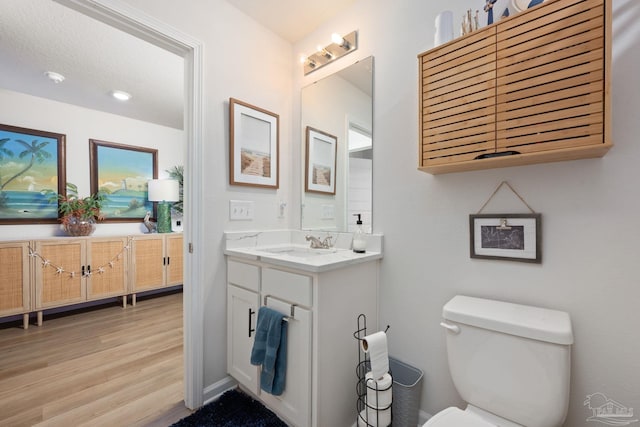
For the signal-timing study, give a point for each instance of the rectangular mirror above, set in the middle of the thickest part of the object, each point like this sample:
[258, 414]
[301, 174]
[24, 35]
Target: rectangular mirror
[339, 105]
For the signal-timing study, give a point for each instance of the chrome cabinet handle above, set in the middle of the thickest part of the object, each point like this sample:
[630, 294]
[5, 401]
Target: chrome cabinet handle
[453, 328]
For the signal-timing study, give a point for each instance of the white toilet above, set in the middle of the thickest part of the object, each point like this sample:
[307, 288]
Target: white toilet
[511, 363]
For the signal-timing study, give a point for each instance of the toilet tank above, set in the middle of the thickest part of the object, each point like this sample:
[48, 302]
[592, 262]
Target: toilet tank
[509, 359]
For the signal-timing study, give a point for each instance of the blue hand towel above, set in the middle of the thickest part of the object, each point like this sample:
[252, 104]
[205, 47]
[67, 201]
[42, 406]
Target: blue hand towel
[270, 350]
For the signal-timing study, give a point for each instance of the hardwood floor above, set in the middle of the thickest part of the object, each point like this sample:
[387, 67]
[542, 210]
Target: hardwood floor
[104, 367]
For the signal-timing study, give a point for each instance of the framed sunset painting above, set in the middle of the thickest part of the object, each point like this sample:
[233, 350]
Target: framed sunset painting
[32, 166]
[122, 172]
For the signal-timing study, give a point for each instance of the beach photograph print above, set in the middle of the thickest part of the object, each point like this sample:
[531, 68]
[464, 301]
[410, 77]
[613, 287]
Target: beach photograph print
[253, 145]
[320, 168]
[32, 167]
[255, 152]
[123, 173]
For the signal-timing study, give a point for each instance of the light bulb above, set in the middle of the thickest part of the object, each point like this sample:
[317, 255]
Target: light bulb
[337, 39]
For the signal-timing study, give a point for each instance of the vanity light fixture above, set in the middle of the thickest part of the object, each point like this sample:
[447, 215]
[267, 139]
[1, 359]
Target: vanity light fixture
[54, 77]
[121, 95]
[339, 47]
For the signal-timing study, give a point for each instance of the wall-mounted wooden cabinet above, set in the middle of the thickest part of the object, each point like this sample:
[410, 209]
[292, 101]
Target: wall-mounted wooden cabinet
[529, 89]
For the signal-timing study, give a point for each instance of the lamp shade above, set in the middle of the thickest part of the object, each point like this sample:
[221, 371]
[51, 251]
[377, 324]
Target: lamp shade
[164, 190]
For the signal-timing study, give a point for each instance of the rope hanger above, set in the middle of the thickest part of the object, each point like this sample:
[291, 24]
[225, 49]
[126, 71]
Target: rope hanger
[512, 190]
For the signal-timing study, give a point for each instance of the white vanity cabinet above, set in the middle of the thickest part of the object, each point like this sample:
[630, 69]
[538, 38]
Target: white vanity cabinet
[290, 293]
[322, 353]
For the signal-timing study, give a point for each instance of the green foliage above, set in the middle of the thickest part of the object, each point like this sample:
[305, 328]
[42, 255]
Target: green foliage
[82, 208]
[177, 173]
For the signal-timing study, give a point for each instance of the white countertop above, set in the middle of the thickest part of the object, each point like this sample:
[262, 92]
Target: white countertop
[288, 248]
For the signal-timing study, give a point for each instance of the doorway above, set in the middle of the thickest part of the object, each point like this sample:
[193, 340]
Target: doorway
[132, 21]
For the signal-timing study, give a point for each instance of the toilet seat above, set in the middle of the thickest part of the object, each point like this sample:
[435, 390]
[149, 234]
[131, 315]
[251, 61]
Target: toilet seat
[456, 417]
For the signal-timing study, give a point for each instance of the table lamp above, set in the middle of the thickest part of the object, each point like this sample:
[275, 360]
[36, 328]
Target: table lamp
[164, 191]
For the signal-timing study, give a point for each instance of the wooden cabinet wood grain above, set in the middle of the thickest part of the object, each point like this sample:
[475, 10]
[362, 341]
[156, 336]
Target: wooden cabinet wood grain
[15, 295]
[156, 262]
[529, 89]
[49, 273]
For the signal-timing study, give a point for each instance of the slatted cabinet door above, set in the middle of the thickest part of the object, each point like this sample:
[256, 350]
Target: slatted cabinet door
[14, 278]
[457, 104]
[53, 287]
[107, 260]
[551, 77]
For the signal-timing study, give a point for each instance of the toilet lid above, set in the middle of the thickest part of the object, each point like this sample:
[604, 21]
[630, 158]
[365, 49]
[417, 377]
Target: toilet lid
[456, 417]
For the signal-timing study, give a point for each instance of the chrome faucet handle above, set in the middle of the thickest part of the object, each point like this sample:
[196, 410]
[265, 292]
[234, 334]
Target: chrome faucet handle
[326, 243]
[315, 242]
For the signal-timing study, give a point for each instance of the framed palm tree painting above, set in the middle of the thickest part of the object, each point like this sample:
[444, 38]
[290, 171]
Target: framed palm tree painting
[32, 166]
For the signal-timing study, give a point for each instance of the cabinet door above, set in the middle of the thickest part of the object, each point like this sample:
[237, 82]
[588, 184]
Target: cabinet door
[295, 403]
[457, 100]
[148, 270]
[14, 278]
[58, 272]
[107, 262]
[551, 71]
[242, 313]
[175, 259]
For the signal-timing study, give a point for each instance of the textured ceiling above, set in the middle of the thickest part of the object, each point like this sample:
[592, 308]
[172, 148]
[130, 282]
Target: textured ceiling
[38, 36]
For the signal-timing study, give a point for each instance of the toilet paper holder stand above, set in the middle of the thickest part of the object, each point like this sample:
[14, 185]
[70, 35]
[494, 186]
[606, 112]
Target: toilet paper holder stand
[368, 414]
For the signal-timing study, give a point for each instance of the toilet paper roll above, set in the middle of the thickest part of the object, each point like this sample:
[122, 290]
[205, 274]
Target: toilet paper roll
[376, 346]
[375, 418]
[379, 393]
[444, 28]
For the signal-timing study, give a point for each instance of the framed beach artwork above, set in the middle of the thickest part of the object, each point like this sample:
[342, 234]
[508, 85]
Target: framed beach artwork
[32, 164]
[512, 237]
[320, 164]
[253, 145]
[123, 171]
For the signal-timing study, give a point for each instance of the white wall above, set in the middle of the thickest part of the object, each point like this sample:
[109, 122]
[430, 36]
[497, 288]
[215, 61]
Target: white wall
[79, 125]
[245, 61]
[589, 207]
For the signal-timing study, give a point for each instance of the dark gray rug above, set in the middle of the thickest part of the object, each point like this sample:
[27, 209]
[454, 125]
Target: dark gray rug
[232, 409]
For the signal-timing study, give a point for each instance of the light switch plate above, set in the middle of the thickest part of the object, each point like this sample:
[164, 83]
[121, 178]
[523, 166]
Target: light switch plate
[240, 210]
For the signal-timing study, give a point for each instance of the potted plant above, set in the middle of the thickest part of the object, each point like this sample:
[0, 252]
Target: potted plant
[79, 215]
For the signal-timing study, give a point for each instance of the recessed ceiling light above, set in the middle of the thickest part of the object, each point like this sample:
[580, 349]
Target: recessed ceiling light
[121, 95]
[54, 77]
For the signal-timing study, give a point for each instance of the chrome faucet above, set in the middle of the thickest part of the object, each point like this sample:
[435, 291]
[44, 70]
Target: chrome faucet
[316, 243]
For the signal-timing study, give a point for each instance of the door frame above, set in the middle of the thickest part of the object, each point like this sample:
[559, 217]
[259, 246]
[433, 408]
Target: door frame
[126, 18]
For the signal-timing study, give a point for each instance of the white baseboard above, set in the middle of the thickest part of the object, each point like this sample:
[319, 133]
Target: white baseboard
[213, 391]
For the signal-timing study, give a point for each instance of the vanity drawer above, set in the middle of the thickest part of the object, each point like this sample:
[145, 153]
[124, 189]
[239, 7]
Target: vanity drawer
[244, 275]
[291, 287]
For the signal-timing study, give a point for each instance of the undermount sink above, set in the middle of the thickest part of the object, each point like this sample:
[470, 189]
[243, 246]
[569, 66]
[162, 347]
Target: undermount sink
[298, 251]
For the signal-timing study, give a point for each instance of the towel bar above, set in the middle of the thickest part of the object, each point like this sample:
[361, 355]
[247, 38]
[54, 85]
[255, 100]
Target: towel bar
[286, 318]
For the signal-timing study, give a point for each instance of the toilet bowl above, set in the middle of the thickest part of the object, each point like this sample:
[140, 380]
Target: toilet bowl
[509, 362]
